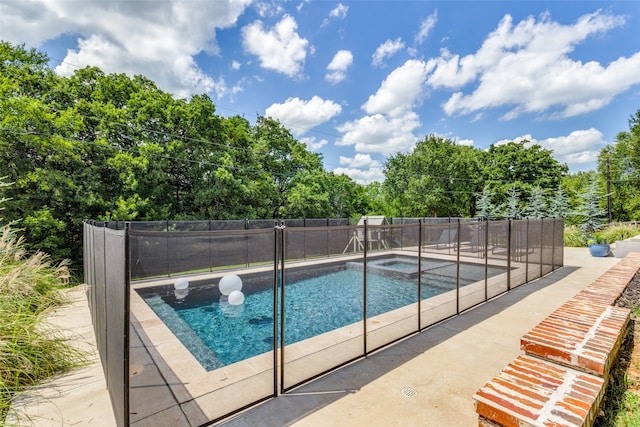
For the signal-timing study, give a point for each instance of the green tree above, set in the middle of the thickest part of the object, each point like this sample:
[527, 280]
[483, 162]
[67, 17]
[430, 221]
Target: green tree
[486, 209]
[590, 214]
[559, 204]
[537, 204]
[522, 166]
[512, 207]
[624, 171]
[575, 186]
[283, 158]
[37, 152]
[438, 178]
[113, 147]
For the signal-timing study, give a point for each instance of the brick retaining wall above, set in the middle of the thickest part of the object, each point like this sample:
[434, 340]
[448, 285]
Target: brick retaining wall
[561, 379]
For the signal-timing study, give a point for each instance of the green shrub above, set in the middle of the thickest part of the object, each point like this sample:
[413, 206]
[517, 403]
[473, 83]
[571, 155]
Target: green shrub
[574, 237]
[615, 232]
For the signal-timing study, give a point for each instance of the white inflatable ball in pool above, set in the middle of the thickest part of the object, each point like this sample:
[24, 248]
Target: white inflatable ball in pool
[181, 293]
[230, 283]
[229, 310]
[236, 298]
[181, 283]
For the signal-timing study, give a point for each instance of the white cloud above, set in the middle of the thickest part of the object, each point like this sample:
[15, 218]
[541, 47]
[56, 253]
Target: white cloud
[360, 161]
[235, 65]
[340, 11]
[280, 48]
[466, 142]
[361, 176]
[335, 77]
[300, 116]
[527, 66]
[578, 148]
[266, 10]
[426, 26]
[380, 134]
[159, 42]
[390, 121]
[386, 50]
[400, 91]
[313, 144]
[338, 66]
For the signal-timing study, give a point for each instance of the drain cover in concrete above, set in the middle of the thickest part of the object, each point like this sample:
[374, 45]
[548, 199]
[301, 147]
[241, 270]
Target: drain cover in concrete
[409, 392]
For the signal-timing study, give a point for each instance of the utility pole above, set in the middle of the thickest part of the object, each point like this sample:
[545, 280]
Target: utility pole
[609, 189]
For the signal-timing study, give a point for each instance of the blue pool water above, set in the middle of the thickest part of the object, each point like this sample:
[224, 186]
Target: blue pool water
[316, 301]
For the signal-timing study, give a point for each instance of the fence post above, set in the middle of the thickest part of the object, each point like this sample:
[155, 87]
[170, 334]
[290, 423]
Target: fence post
[553, 246]
[526, 255]
[276, 276]
[509, 235]
[166, 230]
[282, 302]
[458, 269]
[486, 258]
[127, 319]
[364, 284]
[419, 274]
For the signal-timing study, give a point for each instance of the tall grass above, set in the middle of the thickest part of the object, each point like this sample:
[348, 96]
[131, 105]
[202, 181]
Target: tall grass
[615, 232]
[575, 237]
[30, 350]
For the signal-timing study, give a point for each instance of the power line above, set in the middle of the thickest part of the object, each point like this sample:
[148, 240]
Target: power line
[286, 125]
[242, 169]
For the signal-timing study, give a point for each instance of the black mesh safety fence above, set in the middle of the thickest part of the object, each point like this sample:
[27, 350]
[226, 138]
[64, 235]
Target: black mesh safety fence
[155, 254]
[202, 348]
[320, 298]
[534, 249]
[105, 261]
[546, 245]
[169, 248]
[214, 320]
[519, 250]
[497, 251]
[558, 243]
[392, 287]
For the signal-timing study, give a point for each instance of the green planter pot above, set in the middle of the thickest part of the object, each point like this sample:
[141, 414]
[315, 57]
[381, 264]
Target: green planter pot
[599, 249]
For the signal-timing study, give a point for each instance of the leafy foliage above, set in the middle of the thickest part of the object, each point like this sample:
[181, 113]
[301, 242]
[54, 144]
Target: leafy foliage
[590, 212]
[486, 208]
[521, 165]
[615, 232]
[512, 208]
[559, 204]
[111, 147]
[439, 178]
[624, 171]
[537, 206]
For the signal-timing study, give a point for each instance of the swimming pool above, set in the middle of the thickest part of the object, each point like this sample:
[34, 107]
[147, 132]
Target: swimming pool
[318, 299]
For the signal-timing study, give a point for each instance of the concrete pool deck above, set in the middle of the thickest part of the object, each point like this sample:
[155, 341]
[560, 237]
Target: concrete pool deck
[427, 379]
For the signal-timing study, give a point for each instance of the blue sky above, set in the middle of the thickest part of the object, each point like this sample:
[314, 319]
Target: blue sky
[359, 81]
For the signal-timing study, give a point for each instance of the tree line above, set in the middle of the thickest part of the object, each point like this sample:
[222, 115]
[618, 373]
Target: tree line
[96, 146]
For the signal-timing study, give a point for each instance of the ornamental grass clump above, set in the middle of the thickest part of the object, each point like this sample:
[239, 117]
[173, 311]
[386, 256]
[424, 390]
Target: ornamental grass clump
[30, 350]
